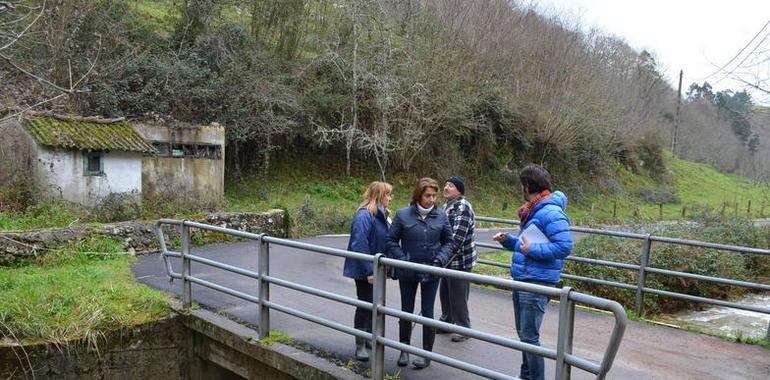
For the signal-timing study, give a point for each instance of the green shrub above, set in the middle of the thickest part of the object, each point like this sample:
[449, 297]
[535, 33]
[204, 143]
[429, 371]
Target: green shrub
[118, 207]
[695, 260]
[311, 219]
[15, 198]
[44, 214]
[656, 195]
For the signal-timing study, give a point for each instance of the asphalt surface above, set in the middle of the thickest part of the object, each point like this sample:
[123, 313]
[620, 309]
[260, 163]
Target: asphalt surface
[647, 352]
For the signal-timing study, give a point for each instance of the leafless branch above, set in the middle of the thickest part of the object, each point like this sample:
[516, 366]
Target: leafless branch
[31, 75]
[757, 86]
[19, 113]
[87, 119]
[73, 86]
[20, 34]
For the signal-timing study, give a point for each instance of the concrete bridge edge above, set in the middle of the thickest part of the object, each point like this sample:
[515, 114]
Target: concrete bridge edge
[212, 338]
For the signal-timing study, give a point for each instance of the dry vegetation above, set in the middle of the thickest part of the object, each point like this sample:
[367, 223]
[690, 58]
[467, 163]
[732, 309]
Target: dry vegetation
[388, 85]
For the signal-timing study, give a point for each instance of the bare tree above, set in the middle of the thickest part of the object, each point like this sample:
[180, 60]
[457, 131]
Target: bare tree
[16, 21]
[750, 65]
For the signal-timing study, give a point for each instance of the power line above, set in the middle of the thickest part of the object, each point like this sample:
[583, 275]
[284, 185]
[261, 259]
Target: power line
[738, 54]
[749, 55]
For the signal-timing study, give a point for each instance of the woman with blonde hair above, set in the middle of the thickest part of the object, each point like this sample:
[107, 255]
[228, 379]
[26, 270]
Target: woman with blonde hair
[420, 234]
[368, 234]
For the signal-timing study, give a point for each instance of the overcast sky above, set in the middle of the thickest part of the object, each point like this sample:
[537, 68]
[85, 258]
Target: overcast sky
[695, 36]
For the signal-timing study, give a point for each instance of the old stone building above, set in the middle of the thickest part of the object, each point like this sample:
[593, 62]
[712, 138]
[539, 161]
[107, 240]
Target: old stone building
[86, 161]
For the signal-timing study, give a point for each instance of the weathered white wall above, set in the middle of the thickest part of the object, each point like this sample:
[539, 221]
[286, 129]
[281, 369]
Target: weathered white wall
[61, 174]
[187, 178]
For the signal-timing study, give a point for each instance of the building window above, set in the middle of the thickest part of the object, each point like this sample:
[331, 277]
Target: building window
[93, 163]
[204, 151]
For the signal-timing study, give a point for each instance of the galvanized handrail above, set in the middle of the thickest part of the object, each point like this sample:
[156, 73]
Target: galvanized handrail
[562, 354]
[644, 267]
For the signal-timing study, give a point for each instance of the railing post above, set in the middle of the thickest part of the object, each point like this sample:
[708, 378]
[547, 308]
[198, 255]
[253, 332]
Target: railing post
[186, 267]
[263, 269]
[767, 338]
[566, 334]
[644, 261]
[378, 319]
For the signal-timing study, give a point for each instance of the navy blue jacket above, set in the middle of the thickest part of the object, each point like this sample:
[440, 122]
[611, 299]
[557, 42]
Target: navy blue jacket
[544, 261]
[427, 241]
[368, 234]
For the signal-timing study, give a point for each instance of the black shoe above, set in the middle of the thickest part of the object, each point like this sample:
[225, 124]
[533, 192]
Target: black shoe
[421, 363]
[442, 331]
[403, 359]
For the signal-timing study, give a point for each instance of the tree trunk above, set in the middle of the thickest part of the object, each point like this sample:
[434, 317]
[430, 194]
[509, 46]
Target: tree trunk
[354, 126]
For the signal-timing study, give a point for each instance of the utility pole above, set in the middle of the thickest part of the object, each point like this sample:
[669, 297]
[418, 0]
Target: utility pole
[676, 120]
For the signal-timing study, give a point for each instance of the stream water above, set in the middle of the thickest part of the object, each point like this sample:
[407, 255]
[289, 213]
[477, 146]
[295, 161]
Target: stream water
[728, 321]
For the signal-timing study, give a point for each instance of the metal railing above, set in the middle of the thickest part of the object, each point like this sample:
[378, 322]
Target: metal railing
[644, 268]
[568, 298]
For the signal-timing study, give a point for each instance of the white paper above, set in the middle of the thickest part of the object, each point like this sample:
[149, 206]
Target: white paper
[534, 235]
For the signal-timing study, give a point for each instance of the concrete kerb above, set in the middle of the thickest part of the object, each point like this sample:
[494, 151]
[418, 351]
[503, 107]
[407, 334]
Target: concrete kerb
[284, 358]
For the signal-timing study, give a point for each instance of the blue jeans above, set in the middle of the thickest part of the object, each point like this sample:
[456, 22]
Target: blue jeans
[528, 311]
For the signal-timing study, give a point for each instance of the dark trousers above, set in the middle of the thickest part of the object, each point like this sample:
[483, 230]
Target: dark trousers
[454, 301]
[362, 319]
[427, 298]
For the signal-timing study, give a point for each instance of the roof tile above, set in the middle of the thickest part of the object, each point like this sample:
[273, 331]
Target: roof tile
[56, 133]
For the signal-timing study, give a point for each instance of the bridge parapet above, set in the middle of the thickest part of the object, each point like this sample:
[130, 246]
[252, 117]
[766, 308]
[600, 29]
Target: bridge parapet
[562, 353]
[644, 267]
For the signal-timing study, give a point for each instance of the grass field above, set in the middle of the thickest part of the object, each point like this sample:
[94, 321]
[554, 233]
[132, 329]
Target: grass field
[70, 294]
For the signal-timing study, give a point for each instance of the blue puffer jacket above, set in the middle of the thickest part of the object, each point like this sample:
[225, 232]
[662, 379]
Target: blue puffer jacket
[427, 241]
[544, 261]
[368, 234]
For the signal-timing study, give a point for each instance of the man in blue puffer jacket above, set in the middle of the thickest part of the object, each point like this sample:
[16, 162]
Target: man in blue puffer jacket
[539, 264]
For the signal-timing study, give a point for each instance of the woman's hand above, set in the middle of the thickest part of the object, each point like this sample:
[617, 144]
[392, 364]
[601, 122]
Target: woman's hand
[370, 279]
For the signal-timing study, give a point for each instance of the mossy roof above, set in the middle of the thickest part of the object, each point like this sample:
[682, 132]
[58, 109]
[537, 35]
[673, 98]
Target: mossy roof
[81, 135]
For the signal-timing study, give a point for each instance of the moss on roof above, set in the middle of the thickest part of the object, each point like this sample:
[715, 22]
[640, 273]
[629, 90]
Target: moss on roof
[80, 135]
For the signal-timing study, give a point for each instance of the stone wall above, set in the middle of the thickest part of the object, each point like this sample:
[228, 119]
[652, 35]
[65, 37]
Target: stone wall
[137, 237]
[191, 345]
[142, 352]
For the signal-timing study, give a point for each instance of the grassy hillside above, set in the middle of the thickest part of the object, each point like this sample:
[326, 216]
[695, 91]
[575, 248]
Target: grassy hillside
[323, 203]
[689, 187]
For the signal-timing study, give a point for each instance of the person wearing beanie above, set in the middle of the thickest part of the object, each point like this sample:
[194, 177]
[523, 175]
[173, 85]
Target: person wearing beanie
[458, 183]
[454, 292]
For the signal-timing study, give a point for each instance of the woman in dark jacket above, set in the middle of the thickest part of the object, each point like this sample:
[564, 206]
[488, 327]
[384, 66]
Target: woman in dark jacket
[368, 234]
[421, 234]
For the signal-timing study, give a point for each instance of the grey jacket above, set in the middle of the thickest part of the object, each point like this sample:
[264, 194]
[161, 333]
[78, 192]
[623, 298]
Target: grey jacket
[427, 241]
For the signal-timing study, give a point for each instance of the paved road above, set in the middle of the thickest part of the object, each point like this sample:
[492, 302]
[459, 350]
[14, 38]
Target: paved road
[647, 352]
